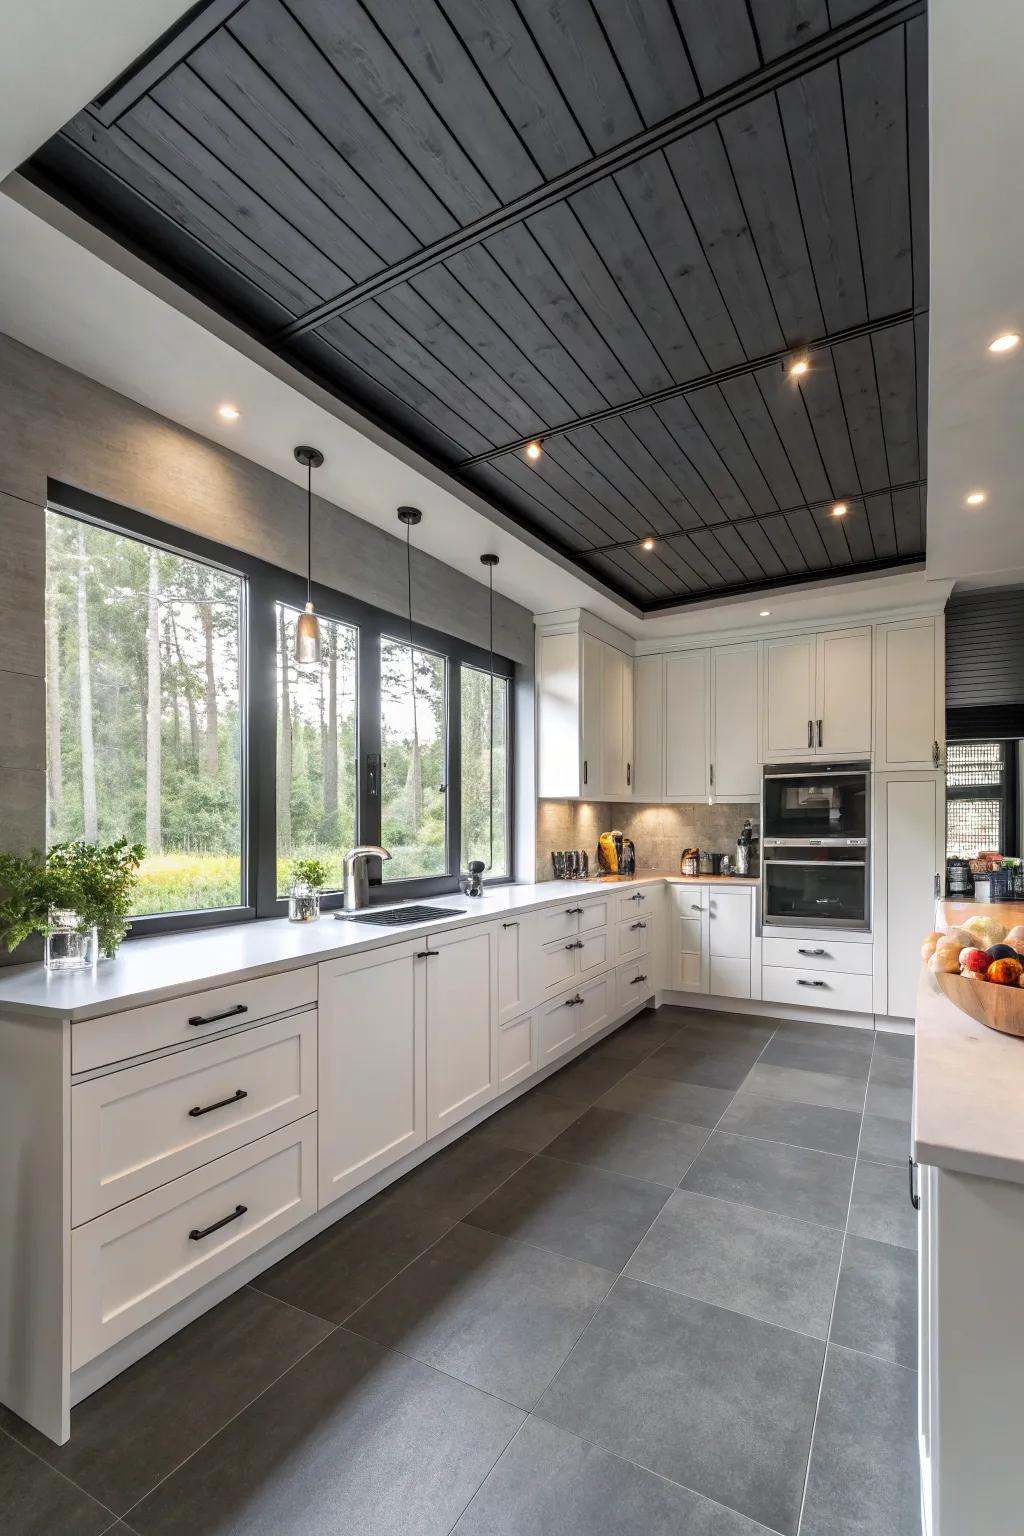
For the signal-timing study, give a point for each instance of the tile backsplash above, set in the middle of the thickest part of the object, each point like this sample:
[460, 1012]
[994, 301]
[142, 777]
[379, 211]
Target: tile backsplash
[660, 832]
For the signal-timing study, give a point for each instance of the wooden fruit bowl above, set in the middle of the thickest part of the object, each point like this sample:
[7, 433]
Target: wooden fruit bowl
[997, 1007]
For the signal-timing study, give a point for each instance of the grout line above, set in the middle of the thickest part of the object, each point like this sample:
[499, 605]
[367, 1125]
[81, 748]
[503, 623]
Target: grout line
[867, 1354]
[57, 1472]
[721, 1306]
[831, 1317]
[794, 1146]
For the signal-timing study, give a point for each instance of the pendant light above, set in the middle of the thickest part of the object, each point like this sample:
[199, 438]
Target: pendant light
[307, 630]
[490, 561]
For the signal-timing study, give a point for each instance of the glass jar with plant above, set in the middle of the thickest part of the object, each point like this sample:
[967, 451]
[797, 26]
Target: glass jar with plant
[306, 880]
[78, 896]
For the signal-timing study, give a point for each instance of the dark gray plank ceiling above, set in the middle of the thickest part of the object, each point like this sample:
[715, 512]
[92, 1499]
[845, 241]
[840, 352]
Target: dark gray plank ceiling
[608, 225]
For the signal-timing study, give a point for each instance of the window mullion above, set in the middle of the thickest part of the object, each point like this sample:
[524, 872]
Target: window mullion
[368, 731]
[453, 797]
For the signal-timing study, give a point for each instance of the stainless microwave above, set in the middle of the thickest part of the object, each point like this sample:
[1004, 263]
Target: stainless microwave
[815, 802]
[816, 865]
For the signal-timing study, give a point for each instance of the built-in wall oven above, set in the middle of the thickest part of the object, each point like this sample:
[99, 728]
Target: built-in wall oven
[815, 819]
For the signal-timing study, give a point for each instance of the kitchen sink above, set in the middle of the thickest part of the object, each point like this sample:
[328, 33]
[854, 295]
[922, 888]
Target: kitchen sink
[398, 917]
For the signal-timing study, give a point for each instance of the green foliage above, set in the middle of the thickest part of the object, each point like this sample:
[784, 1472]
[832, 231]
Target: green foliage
[96, 881]
[311, 872]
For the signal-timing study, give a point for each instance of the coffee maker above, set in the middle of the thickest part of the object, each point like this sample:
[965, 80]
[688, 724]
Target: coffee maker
[616, 855]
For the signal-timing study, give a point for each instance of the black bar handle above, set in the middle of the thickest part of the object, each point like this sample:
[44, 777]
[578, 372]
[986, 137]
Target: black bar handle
[239, 1093]
[638, 896]
[810, 733]
[802, 983]
[215, 1018]
[426, 954]
[637, 925]
[915, 1199]
[820, 743]
[573, 911]
[577, 944]
[814, 952]
[198, 1232]
[636, 979]
[510, 925]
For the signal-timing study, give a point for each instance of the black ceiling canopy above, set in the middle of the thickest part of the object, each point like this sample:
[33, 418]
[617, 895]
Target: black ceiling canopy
[608, 225]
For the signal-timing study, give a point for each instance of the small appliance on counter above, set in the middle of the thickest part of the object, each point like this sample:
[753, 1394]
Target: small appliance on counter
[743, 848]
[616, 855]
[474, 883]
[571, 864]
[709, 863]
[959, 880]
[689, 862]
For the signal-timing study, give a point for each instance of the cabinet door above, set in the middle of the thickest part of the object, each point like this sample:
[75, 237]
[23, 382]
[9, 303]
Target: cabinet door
[687, 725]
[842, 722]
[909, 847]
[591, 722]
[372, 1108]
[558, 1027]
[515, 1052]
[689, 967]
[628, 743]
[462, 1036]
[730, 922]
[649, 728]
[910, 683]
[735, 722]
[512, 983]
[789, 696]
[597, 1005]
[559, 716]
[616, 723]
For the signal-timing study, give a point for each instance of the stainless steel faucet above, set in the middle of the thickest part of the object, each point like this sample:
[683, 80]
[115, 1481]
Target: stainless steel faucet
[357, 881]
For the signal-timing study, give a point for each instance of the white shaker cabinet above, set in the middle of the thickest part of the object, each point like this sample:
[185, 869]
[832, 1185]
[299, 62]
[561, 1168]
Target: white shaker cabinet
[817, 693]
[910, 694]
[462, 1023]
[789, 694]
[649, 728]
[372, 1064]
[616, 725]
[687, 725]
[711, 939]
[908, 846]
[735, 767]
[584, 716]
[513, 966]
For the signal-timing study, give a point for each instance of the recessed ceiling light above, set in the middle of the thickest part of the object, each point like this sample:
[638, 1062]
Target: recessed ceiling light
[647, 544]
[840, 509]
[1004, 343]
[533, 450]
[799, 368]
[976, 498]
[765, 613]
[229, 412]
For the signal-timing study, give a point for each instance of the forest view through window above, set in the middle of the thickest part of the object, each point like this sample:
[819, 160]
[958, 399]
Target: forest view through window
[485, 835]
[316, 749]
[144, 715]
[413, 729]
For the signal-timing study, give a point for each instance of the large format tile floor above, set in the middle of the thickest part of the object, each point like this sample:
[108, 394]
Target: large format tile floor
[671, 1292]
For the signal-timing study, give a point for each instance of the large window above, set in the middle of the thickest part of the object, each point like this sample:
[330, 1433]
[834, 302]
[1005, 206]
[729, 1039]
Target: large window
[179, 717]
[980, 798]
[143, 656]
[316, 748]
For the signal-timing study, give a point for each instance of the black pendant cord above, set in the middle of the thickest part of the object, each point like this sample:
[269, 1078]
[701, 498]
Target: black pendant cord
[412, 649]
[309, 531]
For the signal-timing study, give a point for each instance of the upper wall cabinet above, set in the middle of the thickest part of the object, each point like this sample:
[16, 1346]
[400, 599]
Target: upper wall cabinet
[649, 728]
[910, 694]
[735, 769]
[687, 725]
[696, 725]
[817, 691]
[584, 717]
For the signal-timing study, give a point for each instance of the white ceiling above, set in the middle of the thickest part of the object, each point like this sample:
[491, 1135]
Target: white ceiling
[976, 400]
[56, 56]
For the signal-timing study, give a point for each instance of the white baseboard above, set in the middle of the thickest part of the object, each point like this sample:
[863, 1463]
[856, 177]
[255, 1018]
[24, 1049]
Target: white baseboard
[759, 1009]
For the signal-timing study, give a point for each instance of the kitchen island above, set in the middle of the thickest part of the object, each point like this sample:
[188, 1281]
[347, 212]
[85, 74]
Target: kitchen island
[968, 1140]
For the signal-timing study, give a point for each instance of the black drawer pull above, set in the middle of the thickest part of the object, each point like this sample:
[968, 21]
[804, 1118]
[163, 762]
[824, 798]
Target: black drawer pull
[573, 911]
[510, 925]
[633, 926]
[427, 954]
[915, 1199]
[802, 983]
[578, 944]
[638, 897]
[215, 1018]
[239, 1093]
[818, 952]
[198, 1232]
[636, 979]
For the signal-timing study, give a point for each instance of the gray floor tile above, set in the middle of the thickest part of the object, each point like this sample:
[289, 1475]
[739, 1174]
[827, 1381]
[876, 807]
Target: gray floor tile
[792, 1181]
[37, 1501]
[864, 1477]
[767, 1266]
[712, 1064]
[881, 1205]
[131, 1433]
[889, 1044]
[355, 1438]
[893, 1103]
[583, 1082]
[548, 1481]
[531, 1122]
[633, 1041]
[829, 1089]
[689, 1103]
[659, 1150]
[801, 1125]
[584, 1213]
[876, 1304]
[827, 1034]
[718, 1402]
[892, 1071]
[454, 1180]
[818, 1056]
[885, 1141]
[726, 1029]
[501, 1315]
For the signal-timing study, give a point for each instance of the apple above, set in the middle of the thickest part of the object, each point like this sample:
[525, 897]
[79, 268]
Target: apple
[1005, 973]
[974, 962]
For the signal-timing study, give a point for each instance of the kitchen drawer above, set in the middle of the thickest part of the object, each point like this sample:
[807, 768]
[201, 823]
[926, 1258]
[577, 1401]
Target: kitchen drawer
[729, 978]
[817, 955]
[558, 1027]
[559, 922]
[633, 984]
[558, 963]
[597, 1005]
[189, 1019]
[627, 907]
[515, 1052]
[632, 937]
[132, 1264]
[594, 954]
[691, 901]
[145, 1125]
[594, 915]
[816, 989]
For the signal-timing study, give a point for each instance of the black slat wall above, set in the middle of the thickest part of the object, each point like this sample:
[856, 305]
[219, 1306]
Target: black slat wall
[985, 664]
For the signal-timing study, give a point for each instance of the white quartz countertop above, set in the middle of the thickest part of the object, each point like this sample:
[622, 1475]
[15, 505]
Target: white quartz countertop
[968, 1091]
[169, 965]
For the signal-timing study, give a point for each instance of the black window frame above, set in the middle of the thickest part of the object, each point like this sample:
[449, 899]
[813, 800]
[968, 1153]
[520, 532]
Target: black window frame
[264, 586]
[1003, 792]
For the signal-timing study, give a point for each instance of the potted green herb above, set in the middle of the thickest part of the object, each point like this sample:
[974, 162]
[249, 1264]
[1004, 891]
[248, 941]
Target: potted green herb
[306, 880]
[79, 896]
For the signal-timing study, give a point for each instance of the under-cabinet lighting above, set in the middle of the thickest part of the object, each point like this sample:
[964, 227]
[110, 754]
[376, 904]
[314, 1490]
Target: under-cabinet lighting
[765, 613]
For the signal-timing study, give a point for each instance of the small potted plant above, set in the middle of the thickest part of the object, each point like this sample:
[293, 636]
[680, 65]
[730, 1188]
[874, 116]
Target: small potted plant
[306, 880]
[78, 896]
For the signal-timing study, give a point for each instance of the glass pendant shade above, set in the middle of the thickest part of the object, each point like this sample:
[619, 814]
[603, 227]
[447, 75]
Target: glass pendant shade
[307, 638]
